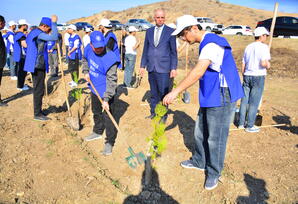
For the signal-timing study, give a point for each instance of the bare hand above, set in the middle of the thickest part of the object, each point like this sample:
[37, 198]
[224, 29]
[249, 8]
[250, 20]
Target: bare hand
[170, 97]
[105, 105]
[87, 77]
[173, 73]
[54, 18]
[142, 71]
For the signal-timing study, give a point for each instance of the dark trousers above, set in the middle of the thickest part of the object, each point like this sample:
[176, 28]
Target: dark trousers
[1, 72]
[21, 73]
[73, 68]
[159, 87]
[38, 89]
[102, 121]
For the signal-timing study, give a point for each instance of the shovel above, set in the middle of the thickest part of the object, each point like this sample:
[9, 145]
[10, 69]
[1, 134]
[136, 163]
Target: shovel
[186, 94]
[137, 82]
[71, 121]
[259, 117]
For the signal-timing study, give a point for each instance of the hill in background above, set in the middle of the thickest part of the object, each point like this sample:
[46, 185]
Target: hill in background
[222, 13]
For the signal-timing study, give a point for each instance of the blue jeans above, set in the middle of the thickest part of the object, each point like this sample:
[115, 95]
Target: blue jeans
[12, 65]
[130, 61]
[211, 134]
[253, 89]
[159, 87]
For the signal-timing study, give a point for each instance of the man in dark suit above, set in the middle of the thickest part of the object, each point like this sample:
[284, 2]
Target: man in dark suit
[2, 54]
[159, 58]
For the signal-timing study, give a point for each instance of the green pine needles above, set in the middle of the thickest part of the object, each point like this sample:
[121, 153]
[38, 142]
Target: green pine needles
[158, 140]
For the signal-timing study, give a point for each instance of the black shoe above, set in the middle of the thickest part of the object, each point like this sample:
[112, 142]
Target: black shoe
[41, 118]
[164, 119]
[2, 104]
[150, 116]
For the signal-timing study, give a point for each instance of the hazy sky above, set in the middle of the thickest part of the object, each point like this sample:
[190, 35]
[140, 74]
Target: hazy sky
[33, 10]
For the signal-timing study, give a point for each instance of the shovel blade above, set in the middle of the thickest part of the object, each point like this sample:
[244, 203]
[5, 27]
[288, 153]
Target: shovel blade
[186, 97]
[73, 123]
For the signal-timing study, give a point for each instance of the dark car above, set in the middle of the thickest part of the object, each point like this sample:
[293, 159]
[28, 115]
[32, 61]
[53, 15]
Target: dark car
[116, 25]
[83, 26]
[284, 25]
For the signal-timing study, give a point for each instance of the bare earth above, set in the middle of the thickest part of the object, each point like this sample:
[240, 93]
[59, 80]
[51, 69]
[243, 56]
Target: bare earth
[47, 162]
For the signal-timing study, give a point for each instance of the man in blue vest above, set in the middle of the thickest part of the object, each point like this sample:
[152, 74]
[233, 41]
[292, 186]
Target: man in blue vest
[2, 55]
[9, 49]
[220, 88]
[74, 55]
[111, 40]
[159, 59]
[100, 67]
[37, 60]
[19, 54]
[53, 58]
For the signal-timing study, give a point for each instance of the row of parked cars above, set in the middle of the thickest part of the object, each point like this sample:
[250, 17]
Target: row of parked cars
[284, 26]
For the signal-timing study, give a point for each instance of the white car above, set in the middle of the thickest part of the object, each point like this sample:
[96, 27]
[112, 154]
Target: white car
[237, 30]
[208, 25]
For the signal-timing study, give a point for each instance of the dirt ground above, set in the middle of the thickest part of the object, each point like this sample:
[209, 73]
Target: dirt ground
[47, 162]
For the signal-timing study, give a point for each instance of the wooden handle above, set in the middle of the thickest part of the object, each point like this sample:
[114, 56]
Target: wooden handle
[63, 79]
[108, 112]
[273, 24]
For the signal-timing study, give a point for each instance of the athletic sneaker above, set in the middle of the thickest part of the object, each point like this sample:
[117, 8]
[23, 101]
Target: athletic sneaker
[188, 164]
[14, 78]
[211, 184]
[93, 136]
[107, 150]
[41, 117]
[241, 127]
[252, 129]
[25, 88]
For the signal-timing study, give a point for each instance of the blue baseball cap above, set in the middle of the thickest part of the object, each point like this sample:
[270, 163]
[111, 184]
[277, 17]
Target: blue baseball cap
[47, 21]
[97, 39]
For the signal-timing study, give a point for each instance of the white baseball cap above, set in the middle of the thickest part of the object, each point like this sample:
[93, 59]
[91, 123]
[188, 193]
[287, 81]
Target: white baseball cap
[11, 23]
[105, 23]
[259, 31]
[72, 26]
[132, 29]
[23, 22]
[183, 22]
[88, 30]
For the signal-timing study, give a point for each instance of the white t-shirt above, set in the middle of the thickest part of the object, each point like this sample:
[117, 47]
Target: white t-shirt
[254, 54]
[130, 42]
[66, 36]
[86, 40]
[11, 40]
[215, 54]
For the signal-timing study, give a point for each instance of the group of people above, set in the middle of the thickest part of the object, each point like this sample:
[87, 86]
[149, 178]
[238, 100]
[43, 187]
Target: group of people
[220, 85]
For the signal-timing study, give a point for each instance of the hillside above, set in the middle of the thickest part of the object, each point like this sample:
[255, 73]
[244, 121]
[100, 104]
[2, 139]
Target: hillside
[223, 13]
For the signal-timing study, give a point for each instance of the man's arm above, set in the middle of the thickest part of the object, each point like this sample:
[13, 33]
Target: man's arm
[75, 46]
[265, 63]
[145, 51]
[111, 82]
[50, 37]
[10, 39]
[110, 45]
[193, 76]
[173, 54]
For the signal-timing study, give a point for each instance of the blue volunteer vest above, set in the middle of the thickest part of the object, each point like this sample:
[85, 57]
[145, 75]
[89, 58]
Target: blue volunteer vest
[51, 44]
[17, 48]
[209, 91]
[32, 51]
[71, 45]
[116, 50]
[8, 43]
[99, 66]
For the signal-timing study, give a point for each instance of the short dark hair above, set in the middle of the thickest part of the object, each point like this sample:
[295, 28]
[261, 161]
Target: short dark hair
[41, 24]
[2, 19]
[257, 37]
[188, 28]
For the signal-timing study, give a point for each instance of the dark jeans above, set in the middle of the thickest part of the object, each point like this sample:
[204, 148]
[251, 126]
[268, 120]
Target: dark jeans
[102, 121]
[159, 87]
[130, 61]
[1, 72]
[73, 68]
[253, 89]
[12, 65]
[21, 73]
[53, 63]
[211, 133]
[66, 54]
[38, 89]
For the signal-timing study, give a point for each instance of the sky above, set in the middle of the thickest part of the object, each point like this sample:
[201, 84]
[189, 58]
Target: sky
[33, 10]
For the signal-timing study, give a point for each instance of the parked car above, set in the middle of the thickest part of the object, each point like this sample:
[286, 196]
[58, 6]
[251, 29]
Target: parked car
[116, 25]
[284, 25]
[208, 25]
[140, 24]
[83, 26]
[237, 30]
[61, 27]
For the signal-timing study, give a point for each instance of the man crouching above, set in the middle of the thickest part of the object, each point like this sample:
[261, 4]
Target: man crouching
[100, 68]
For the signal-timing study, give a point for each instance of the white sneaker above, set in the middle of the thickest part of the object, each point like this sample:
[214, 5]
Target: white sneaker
[14, 78]
[25, 88]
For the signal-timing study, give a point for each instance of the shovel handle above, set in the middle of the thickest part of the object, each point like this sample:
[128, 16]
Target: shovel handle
[63, 79]
[108, 112]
